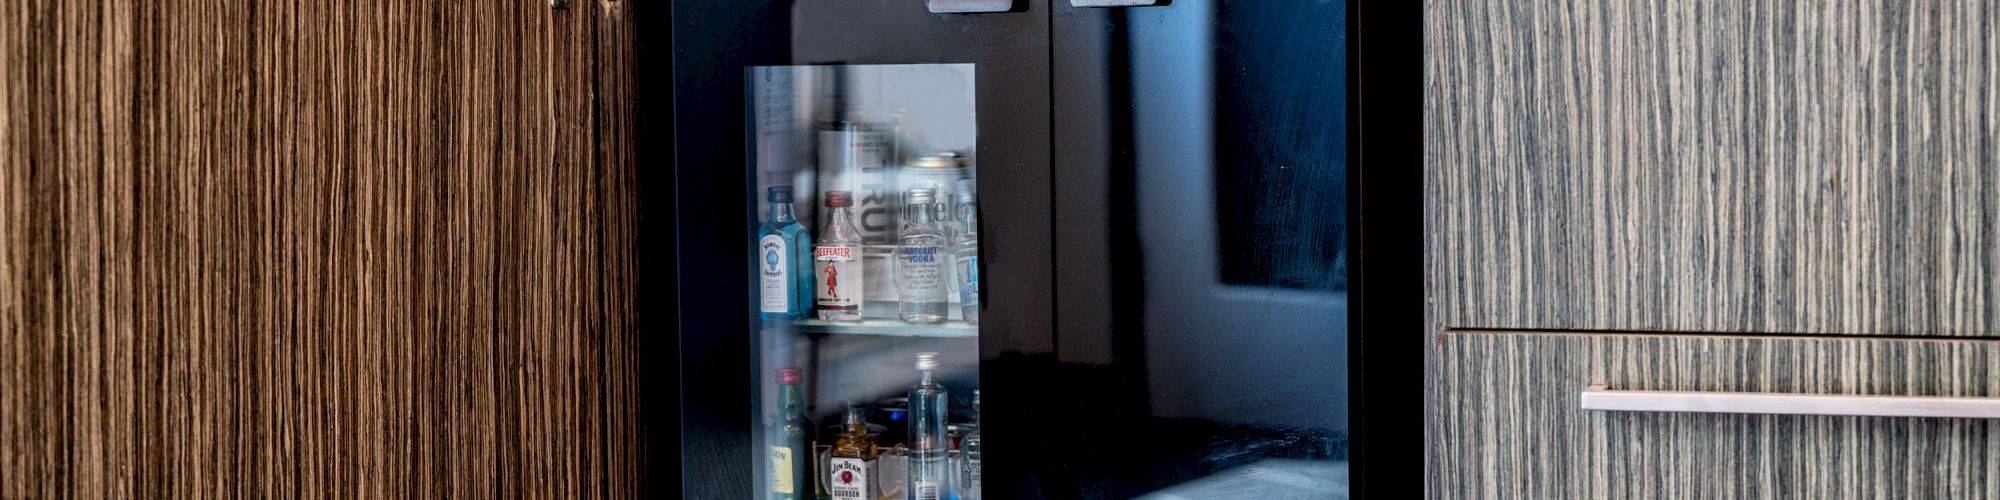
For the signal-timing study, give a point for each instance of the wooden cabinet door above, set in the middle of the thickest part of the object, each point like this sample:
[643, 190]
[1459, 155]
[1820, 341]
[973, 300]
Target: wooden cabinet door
[353, 249]
[1738, 166]
[1505, 421]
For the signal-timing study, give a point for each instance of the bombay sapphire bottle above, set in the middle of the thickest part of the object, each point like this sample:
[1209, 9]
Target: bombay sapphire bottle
[784, 260]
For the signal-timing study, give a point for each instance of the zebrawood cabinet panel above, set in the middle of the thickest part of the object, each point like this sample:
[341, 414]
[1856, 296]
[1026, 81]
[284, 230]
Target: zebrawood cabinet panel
[318, 249]
[1732, 165]
[1503, 419]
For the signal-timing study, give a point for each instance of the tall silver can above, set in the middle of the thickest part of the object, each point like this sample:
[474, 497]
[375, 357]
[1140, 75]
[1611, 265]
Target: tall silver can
[941, 172]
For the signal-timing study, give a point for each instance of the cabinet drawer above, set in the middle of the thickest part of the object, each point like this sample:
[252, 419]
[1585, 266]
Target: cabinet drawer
[1504, 419]
[1726, 166]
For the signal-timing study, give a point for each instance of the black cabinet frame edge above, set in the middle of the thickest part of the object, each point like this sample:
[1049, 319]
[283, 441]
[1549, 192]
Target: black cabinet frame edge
[1387, 321]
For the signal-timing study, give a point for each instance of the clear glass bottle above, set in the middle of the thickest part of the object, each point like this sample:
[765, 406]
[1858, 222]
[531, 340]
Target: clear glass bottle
[968, 456]
[852, 473]
[920, 273]
[965, 248]
[789, 457]
[930, 448]
[784, 275]
[839, 282]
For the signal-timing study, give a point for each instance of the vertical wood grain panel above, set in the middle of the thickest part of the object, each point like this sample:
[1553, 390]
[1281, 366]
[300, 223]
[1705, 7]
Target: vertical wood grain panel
[378, 249]
[623, 456]
[1505, 423]
[1743, 165]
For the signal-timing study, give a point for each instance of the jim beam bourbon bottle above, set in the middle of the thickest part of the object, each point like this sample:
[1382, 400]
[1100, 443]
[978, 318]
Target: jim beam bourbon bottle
[837, 263]
[853, 474]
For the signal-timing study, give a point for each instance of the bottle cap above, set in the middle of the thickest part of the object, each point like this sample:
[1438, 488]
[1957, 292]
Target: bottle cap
[966, 191]
[781, 194]
[838, 199]
[788, 375]
[927, 361]
[943, 159]
[920, 196]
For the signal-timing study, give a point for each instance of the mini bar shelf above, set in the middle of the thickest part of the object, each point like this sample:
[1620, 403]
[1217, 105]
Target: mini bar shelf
[884, 327]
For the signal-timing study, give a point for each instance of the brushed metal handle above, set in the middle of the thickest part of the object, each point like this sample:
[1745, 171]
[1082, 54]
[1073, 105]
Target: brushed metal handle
[968, 6]
[1601, 398]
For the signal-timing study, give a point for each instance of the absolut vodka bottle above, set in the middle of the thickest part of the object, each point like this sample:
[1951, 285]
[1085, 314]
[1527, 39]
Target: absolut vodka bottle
[965, 256]
[930, 448]
[837, 261]
[920, 271]
[784, 277]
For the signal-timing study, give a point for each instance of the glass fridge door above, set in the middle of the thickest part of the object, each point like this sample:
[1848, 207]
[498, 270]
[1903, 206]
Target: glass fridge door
[863, 235]
[868, 280]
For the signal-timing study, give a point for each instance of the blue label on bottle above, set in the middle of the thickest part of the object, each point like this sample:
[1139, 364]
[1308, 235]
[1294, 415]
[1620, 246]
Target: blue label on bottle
[968, 278]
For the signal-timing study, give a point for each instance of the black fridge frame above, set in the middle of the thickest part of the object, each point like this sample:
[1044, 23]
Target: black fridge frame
[694, 411]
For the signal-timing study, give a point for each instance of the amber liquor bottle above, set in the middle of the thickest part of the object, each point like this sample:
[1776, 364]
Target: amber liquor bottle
[853, 474]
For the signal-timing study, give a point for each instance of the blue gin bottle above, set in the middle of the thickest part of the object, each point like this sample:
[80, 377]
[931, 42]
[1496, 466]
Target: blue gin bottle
[784, 262]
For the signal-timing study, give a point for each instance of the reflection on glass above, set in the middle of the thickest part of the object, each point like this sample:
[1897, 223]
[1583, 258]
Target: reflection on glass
[1238, 193]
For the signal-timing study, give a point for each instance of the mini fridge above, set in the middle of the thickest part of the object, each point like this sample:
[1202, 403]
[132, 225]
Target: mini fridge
[960, 249]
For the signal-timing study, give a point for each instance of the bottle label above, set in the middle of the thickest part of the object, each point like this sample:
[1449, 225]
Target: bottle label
[781, 470]
[925, 490]
[972, 479]
[922, 274]
[777, 289]
[852, 478]
[838, 286]
[968, 278]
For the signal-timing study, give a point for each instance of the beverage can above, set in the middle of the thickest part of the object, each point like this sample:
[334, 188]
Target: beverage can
[939, 172]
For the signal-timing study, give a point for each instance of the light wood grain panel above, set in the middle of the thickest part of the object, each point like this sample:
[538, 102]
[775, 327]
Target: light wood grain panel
[310, 249]
[1739, 165]
[1503, 420]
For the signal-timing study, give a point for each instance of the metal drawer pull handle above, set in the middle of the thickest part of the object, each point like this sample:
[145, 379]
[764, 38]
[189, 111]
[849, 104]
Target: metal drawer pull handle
[968, 6]
[1598, 397]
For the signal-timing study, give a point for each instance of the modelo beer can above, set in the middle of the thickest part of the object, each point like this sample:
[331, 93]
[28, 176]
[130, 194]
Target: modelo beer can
[939, 171]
